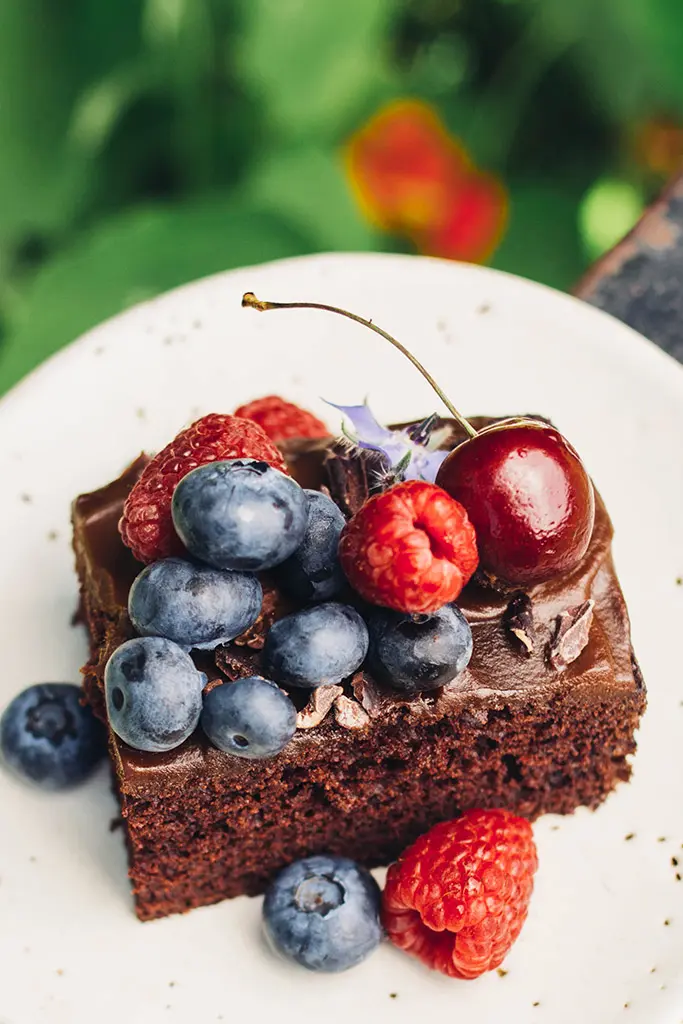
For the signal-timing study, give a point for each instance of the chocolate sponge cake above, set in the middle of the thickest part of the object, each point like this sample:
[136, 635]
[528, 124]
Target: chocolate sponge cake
[542, 720]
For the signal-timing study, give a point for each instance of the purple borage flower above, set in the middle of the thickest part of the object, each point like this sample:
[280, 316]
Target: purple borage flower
[410, 453]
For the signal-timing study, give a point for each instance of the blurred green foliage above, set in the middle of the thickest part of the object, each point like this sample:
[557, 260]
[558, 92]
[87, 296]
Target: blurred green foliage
[148, 142]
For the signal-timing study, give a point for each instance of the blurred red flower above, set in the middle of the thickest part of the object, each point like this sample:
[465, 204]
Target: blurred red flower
[412, 177]
[658, 145]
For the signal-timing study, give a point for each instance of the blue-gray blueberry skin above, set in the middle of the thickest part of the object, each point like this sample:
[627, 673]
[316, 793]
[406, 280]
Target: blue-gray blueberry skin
[153, 693]
[313, 572]
[250, 718]
[319, 645]
[47, 737]
[323, 913]
[193, 605]
[414, 653]
[240, 514]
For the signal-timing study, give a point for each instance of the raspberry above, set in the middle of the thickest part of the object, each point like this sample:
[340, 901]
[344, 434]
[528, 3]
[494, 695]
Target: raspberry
[282, 420]
[458, 897]
[146, 525]
[411, 548]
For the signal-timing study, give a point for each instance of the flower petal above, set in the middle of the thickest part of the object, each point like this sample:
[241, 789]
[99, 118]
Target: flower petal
[415, 461]
[368, 432]
[424, 465]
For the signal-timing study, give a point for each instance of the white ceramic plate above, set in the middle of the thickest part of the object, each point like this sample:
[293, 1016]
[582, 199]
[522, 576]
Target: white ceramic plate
[604, 939]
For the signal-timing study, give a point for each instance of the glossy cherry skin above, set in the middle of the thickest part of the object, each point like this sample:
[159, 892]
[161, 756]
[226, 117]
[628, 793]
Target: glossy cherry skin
[528, 497]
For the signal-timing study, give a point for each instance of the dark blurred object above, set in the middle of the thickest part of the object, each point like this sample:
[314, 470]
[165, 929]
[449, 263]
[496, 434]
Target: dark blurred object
[640, 280]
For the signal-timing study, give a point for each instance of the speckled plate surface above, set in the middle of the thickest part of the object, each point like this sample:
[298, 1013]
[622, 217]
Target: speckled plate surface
[604, 939]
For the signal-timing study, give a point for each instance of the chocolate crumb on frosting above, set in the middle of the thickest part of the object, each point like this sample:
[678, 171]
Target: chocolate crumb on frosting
[319, 704]
[367, 694]
[571, 636]
[273, 607]
[349, 713]
[349, 477]
[518, 620]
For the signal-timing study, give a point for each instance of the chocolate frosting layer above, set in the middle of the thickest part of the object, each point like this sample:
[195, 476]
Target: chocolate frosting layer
[503, 673]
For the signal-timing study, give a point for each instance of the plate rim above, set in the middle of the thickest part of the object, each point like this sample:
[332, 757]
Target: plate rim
[610, 344]
[657, 361]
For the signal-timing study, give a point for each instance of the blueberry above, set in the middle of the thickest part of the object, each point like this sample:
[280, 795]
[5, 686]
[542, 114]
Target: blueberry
[153, 693]
[239, 514]
[413, 653]
[323, 913]
[313, 572]
[251, 718]
[48, 737]
[193, 605]
[318, 645]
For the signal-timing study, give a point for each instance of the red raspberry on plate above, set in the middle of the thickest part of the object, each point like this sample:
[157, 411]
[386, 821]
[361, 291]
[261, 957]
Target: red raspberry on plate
[146, 525]
[458, 897]
[282, 420]
[411, 548]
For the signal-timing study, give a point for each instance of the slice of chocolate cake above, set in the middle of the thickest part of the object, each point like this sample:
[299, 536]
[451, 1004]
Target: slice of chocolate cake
[542, 720]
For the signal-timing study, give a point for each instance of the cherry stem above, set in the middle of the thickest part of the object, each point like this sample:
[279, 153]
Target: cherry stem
[250, 300]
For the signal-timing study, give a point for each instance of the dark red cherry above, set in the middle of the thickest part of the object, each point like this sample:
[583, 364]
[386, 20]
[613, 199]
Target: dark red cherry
[528, 497]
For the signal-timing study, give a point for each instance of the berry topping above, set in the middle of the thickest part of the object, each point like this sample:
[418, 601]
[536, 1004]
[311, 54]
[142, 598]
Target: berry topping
[413, 653]
[240, 514]
[48, 737]
[281, 420]
[525, 489]
[529, 498]
[193, 605]
[313, 572]
[250, 718]
[316, 646]
[323, 913]
[153, 693]
[146, 525]
[411, 548]
[458, 897]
